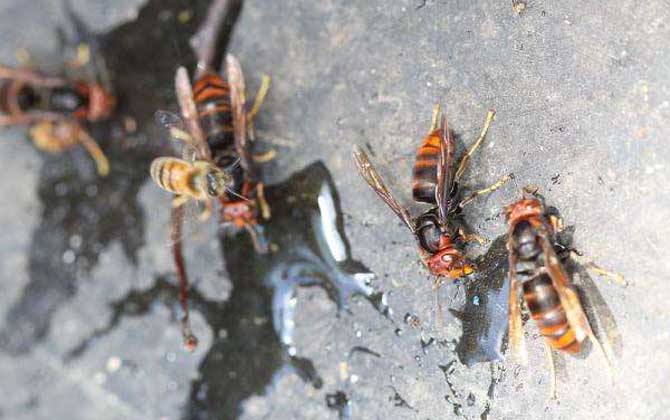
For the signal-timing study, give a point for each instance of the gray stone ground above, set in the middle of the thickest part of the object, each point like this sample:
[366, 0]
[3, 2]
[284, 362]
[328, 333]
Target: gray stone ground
[582, 93]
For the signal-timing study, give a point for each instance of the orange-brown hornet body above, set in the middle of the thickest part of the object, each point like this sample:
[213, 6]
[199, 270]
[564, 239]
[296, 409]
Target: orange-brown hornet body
[55, 109]
[435, 182]
[434, 232]
[537, 274]
[222, 115]
[533, 261]
[27, 97]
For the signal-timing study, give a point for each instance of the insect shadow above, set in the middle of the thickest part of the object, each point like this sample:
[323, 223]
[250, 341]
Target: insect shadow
[485, 311]
[253, 328]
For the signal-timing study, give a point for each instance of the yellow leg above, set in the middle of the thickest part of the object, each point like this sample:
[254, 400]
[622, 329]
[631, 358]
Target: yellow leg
[616, 277]
[23, 56]
[471, 237]
[552, 372]
[265, 157]
[499, 183]
[260, 98]
[436, 117]
[556, 223]
[262, 202]
[82, 58]
[598, 269]
[464, 160]
[96, 153]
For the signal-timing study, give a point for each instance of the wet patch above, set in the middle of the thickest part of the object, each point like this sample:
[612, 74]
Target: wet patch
[253, 329]
[484, 314]
[83, 213]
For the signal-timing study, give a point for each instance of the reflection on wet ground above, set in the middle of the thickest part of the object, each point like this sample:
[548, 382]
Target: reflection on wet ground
[253, 328]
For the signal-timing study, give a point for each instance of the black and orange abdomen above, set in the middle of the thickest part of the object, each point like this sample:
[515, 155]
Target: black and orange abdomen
[212, 98]
[17, 97]
[424, 174]
[546, 309]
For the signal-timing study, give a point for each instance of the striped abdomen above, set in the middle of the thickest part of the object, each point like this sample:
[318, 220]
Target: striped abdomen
[212, 98]
[545, 308]
[424, 174]
[17, 97]
[173, 175]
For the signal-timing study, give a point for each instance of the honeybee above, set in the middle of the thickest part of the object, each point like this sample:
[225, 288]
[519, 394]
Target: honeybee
[56, 108]
[199, 180]
[536, 271]
[435, 181]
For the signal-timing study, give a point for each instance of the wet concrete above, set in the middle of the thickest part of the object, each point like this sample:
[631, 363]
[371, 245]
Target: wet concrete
[89, 316]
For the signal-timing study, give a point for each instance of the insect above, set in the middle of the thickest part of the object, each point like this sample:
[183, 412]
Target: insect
[216, 166]
[436, 182]
[536, 272]
[221, 110]
[57, 108]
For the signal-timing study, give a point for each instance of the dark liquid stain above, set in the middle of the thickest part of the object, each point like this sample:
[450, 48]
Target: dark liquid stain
[253, 329]
[454, 396]
[84, 213]
[339, 402]
[484, 314]
[497, 373]
[310, 249]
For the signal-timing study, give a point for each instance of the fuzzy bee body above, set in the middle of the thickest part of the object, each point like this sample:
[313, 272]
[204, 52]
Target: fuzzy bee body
[199, 179]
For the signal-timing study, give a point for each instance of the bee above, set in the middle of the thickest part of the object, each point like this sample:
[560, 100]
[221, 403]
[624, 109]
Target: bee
[537, 274]
[56, 108]
[435, 182]
[199, 180]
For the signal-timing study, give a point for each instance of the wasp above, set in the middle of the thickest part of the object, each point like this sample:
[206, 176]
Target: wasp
[215, 131]
[537, 274]
[436, 178]
[56, 109]
[220, 101]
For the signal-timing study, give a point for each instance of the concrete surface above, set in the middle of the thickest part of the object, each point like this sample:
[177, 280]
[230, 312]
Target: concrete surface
[582, 92]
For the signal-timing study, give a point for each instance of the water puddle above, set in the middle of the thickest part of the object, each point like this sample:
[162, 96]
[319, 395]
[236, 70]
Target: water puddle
[253, 329]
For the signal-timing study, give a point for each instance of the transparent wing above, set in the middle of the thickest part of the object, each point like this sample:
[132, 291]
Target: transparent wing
[568, 297]
[174, 132]
[193, 231]
[235, 78]
[515, 334]
[374, 180]
[189, 113]
[445, 171]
